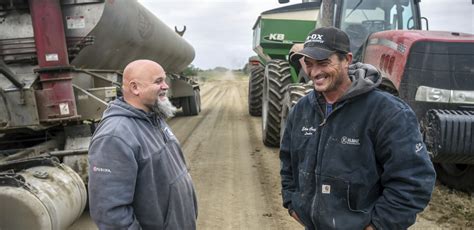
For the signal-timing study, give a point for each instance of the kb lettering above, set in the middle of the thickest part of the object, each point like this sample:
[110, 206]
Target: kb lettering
[277, 37]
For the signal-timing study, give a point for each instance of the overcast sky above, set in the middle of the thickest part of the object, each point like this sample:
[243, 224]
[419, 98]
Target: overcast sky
[221, 30]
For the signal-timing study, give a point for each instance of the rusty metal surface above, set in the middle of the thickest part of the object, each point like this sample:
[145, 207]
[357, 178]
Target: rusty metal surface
[88, 105]
[18, 109]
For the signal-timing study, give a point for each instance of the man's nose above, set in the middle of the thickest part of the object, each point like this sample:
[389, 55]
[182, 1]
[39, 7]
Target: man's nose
[164, 86]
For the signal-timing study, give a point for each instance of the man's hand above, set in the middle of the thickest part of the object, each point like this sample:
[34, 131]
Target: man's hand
[295, 216]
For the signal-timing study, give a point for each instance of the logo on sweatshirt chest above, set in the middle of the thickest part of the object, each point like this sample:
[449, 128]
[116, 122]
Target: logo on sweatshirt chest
[168, 133]
[349, 141]
[101, 170]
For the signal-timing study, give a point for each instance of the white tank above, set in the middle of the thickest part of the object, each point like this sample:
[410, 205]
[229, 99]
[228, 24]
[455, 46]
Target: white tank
[50, 197]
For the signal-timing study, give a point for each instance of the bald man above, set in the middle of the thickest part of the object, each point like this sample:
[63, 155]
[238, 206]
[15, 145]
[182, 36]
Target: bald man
[138, 177]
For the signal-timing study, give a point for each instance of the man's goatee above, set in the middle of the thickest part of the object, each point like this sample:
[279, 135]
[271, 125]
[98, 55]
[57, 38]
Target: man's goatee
[164, 108]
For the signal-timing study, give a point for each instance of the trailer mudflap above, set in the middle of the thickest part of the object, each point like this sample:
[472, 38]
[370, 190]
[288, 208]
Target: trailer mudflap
[449, 135]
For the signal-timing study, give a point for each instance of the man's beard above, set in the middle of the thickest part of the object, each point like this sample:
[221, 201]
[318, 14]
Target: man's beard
[164, 108]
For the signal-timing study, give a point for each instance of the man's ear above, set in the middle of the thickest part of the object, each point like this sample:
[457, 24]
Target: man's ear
[349, 60]
[134, 88]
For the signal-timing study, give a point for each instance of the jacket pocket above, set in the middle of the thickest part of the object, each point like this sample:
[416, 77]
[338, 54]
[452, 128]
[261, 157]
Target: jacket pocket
[182, 208]
[334, 206]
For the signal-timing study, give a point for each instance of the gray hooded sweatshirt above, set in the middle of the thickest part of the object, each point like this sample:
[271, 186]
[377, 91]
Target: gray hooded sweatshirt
[138, 177]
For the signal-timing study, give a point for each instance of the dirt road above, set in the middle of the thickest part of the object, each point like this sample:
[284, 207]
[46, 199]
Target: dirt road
[237, 178]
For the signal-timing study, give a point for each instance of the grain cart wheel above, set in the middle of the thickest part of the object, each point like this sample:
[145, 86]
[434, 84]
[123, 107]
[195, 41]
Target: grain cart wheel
[191, 104]
[277, 78]
[458, 176]
[293, 94]
[256, 90]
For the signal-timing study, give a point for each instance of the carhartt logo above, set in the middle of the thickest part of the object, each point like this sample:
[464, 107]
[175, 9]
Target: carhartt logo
[308, 131]
[97, 169]
[349, 141]
[326, 189]
[315, 38]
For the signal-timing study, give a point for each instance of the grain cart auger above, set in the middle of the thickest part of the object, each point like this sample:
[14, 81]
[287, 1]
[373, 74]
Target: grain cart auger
[430, 70]
[60, 63]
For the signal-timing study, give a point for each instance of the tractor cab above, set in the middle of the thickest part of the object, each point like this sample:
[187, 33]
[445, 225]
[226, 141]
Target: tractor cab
[361, 18]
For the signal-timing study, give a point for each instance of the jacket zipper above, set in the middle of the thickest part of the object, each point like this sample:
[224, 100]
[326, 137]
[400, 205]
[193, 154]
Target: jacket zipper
[319, 159]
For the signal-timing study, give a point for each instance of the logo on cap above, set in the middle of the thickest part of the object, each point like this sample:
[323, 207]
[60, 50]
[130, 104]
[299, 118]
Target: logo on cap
[315, 38]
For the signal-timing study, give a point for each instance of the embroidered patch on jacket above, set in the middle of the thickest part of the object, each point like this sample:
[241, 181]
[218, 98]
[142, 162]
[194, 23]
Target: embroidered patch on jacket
[350, 141]
[326, 189]
[308, 131]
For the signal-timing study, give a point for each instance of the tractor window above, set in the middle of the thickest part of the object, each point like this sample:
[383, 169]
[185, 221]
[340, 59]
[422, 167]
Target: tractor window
[360, 18]
[401, 17]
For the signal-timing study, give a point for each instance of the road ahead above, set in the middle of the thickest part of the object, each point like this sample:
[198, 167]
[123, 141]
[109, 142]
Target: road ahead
[236, 178]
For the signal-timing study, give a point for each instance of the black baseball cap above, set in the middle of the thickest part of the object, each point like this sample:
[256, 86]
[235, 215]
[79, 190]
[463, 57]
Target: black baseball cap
[322, 43]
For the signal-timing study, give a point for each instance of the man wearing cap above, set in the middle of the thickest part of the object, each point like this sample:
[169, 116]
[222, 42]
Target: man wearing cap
[352, 156]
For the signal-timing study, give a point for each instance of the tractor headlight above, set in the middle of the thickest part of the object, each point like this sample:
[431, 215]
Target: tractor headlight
[429, 94]
[465, 97]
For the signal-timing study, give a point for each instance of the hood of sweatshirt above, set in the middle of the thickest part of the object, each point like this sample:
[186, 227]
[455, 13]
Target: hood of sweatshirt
[121, 108]
[364, 78]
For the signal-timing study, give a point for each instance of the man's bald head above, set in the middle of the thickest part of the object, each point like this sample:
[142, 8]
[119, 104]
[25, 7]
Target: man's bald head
[140, 70]
[143, 81]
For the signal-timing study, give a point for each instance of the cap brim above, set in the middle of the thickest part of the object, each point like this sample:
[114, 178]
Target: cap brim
[313, 53]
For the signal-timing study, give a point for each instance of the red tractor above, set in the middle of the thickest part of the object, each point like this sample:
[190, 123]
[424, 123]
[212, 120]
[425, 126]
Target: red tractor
[430, 70]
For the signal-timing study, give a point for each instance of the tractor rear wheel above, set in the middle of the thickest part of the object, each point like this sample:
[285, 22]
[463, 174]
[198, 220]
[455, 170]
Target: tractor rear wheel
[458, 176]
[256, 90]
[293, 94]
[277, 78]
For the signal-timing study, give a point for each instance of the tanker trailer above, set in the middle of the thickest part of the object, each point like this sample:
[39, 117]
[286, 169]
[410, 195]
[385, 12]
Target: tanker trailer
[60, 64]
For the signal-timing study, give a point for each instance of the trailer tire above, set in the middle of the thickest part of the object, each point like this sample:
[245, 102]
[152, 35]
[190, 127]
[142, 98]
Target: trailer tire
[256, 90]
[191, 104]
[457, 176]
[293, 94]
[197, 93]
[277, 77]
[185, 106]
